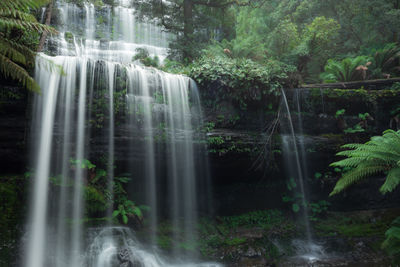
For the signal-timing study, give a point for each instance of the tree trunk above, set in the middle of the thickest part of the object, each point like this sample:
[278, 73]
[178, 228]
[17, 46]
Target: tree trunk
[188, 26]
[395, 33]
[49, 11]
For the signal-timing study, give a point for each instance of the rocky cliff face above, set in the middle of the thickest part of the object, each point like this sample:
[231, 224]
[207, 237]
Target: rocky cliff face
[246, 169]
[13, 128]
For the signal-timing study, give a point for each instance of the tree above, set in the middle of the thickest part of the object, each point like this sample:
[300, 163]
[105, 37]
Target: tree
[191, 20]
[16, 56]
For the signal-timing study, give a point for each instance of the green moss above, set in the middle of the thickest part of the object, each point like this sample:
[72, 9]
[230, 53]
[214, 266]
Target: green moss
[164, 242]
[341, 225]
[235, 241]
[68, 36]
[12, 212]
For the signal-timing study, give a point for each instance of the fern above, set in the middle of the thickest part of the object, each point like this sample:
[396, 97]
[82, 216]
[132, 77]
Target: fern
[15, 57]
[392, 241]
[385, 61]
[379, 155]
[345, 70]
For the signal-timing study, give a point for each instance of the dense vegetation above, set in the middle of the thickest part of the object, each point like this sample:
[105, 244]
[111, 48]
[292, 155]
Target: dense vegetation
[19, 37]
[323, 40]
[242, 54]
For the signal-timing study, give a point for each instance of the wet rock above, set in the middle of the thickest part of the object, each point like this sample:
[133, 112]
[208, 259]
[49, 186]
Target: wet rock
[125, 264]
[127, 259]
[124, 255]
[251, 253]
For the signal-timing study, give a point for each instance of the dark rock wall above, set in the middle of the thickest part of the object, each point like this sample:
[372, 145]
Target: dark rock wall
[13, 128]
[246, 174]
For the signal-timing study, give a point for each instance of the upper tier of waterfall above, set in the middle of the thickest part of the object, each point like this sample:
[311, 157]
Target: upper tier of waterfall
[107, 33]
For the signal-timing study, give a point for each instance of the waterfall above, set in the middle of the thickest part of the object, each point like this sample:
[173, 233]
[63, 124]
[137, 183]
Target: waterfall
[295, 166]
[294, 153]
[75, 117]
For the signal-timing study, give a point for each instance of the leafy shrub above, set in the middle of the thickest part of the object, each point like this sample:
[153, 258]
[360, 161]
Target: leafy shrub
[144, 57]
[241, 79]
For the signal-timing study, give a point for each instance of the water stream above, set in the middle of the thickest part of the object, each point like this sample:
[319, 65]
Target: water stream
[162, 114]
[294, 152]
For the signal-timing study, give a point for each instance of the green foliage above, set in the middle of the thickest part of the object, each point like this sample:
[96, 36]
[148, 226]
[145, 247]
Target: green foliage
[380, 155]
[392, 241]
[295, 199]
[240, 79]
[15, 55]
[126, 208]
[12, 215]
[263, 218]
[318, 209]
[340, 113]
[235, 241]
[346, 70]
[164, 242]
[395, 86]
[317, 175]
[385, 61]
[95, 200]
[350, 226]
[144, 57]
[356, 129]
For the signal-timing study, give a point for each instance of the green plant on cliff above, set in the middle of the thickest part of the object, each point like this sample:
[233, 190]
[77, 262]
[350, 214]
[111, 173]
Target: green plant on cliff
[385, 61]
[243, 80]
[380, 155]
[144, 57]
[347, 70]
[16, 56]
[392, 241]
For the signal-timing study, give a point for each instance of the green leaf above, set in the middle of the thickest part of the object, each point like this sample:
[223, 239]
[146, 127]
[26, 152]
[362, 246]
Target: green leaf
[125, 219]
[115, 213]
[295, 207]
[317, 175]
[137, 212]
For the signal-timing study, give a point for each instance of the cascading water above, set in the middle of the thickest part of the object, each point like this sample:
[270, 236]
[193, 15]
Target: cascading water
[294, 152]
[162, 115]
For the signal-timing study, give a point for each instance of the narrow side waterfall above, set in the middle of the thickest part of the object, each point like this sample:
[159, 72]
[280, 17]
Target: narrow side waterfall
[294, 153]
[97, 104]
[294, 163]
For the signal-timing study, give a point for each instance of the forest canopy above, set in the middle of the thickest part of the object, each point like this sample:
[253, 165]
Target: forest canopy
[305, 34]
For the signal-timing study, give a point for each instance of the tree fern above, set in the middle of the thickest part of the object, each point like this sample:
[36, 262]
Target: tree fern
[345, 70]
[15, 57]
[392, 241]
[379, 155]
[385, 61]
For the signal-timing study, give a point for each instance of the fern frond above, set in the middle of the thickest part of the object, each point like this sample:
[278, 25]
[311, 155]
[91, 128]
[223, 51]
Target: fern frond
[380, 154]
[349, 162]
[392, 181]
[23, 5]
[12, 70]
[353, 176]
[27, 53]
[16, 14]
[11, 23]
